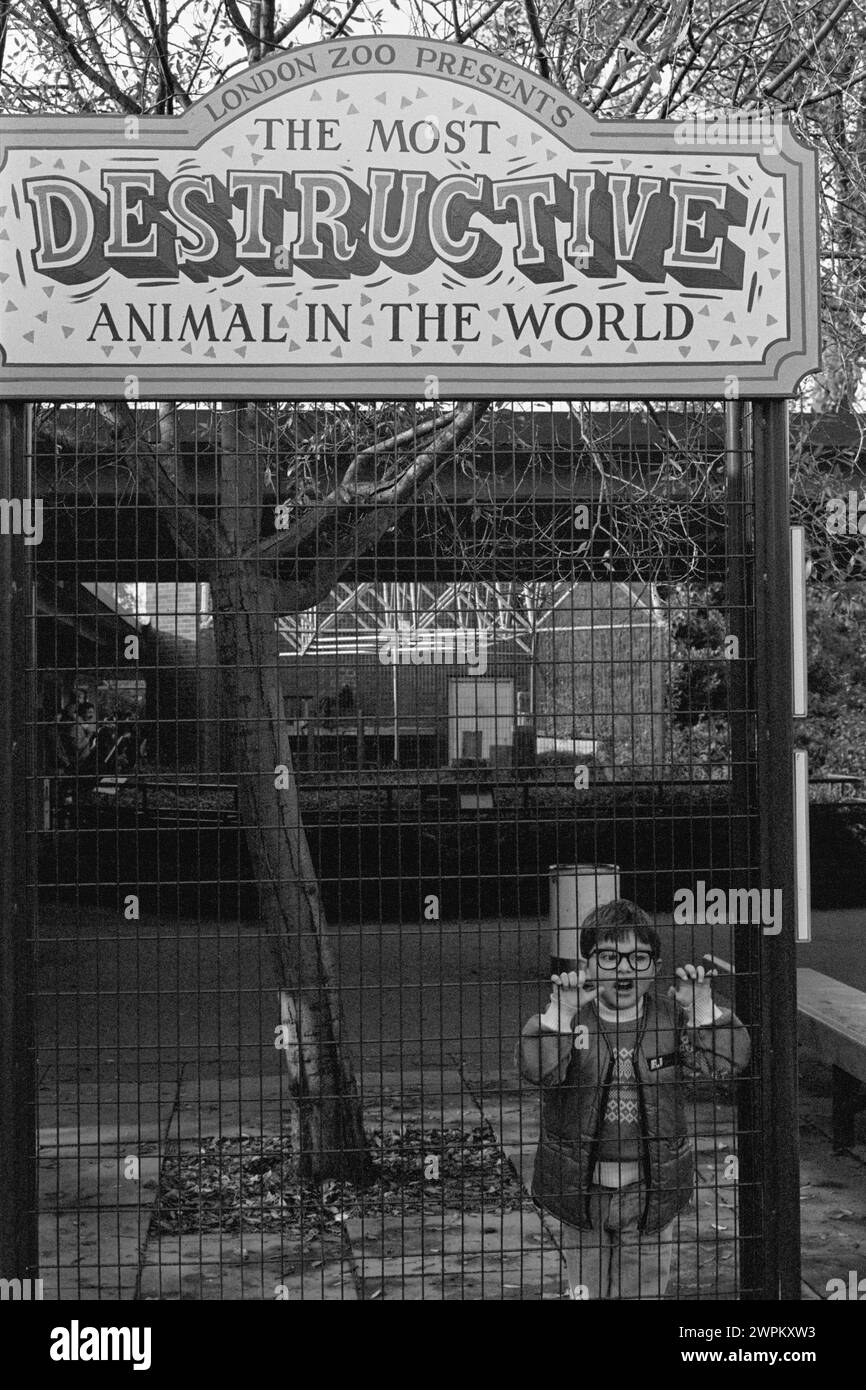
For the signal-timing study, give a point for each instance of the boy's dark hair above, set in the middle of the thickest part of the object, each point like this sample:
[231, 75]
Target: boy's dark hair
[614, 921]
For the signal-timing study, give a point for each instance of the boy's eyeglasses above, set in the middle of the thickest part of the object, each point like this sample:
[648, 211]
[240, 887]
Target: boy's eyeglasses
[638, 960]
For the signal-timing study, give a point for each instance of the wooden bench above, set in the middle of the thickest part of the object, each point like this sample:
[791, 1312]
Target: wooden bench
[832, 1025]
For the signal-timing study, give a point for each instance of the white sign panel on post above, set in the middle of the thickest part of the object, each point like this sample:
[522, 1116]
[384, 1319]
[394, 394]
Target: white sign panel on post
[403, 217]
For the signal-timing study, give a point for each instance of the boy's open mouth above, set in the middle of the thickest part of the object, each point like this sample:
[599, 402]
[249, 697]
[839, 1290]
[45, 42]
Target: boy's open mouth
[623, 986]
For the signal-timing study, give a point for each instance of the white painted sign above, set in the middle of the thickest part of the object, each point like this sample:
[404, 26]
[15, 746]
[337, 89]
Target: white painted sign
[402, 217]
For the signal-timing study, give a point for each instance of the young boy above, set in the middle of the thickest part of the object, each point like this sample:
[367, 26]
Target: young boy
[614, 1162]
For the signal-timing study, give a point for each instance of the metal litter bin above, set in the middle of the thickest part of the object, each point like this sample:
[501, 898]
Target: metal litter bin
[575, 891]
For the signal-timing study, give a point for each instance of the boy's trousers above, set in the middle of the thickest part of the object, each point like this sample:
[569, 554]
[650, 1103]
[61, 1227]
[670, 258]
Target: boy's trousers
[614, 1260]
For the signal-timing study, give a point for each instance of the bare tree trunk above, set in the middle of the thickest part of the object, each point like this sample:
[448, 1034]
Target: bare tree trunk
[247, 600]
[330, 1135]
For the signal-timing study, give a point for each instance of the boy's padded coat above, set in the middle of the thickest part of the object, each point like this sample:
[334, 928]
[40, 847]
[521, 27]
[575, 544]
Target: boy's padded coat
[575, 1081]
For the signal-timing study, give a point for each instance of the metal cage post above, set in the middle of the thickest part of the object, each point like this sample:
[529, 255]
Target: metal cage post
[18, 1146]
[744, 829]
[775, 759]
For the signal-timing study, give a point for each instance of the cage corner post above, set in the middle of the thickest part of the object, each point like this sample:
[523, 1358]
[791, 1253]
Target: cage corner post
[776, 816]
[18, 1093]
[744, 830]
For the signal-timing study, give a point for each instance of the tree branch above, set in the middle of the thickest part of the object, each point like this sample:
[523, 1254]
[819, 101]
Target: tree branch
[396, 441]
[341, 27]
[480, 21]
[784, 34]
[286, 543]
[95, 44]
[243, 29]
[541, 55]
[597, 66]
[193, 535]
[5, 6]
[128, 25]
[291, 24]
[842, 90]
[66, 38]
[160, 44]
[204, 48]
[327, 571]
[759, 19]
[257, 40]
[811, 48]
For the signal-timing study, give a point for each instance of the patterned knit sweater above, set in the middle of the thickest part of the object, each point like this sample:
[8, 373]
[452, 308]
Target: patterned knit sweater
[619, 1134]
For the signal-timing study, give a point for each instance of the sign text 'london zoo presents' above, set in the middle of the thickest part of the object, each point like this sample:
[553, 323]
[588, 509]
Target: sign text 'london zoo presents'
[358, 219]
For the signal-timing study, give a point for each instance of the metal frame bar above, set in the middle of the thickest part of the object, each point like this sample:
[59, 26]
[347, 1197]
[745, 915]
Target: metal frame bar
[801, 827]
[799, 666]
[18, 1080]
[744, 834]
[772, 597]
[759, 587]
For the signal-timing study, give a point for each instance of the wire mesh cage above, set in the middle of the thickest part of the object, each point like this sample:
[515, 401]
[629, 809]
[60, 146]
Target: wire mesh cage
[354, 724]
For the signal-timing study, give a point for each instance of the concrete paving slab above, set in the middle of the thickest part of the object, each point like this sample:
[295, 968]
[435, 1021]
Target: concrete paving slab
[832, 1207]
[79, 1182]
[466, 1286]
[95, 1204]
[265, 1085]
[114, 1102]
[497, 1234]
[92, 1254]
[97, 1139]
[456, 1258]
[190, 1124]
[254, 1268]
[446, 1255]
